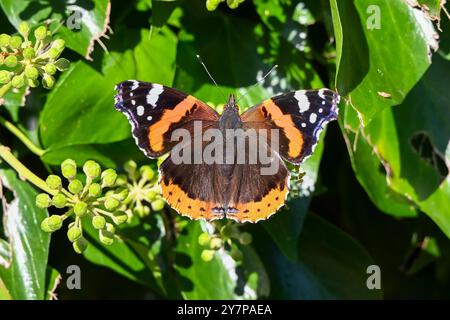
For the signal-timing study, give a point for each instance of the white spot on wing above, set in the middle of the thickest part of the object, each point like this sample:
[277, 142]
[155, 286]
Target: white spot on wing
[153, 94]
[312, 118]
[303, 125]
[149, 118]
[140, 110]
[135, 85]
[133, 102]
[322, 93]
[303, 102]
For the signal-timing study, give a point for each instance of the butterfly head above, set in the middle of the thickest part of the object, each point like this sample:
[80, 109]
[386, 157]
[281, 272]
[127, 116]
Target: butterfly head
[231, 104]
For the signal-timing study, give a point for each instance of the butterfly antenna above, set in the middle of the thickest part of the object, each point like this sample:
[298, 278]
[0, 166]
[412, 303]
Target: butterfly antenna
[258, 82]
[210, 76]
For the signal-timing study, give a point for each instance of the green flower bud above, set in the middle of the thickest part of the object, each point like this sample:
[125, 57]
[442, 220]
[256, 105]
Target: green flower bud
[15, 42]
[18, 81]
[92, 169]
[40, 33]
[31, 72]
[45, 227]
[74, 233]
[147, 172]
[75, 186]
[50, 69]
[150, 195]
[95, 190]
[43, 200]
[108, 177]
[62, 64]
[215, 243]
[54, 222]
[229, 231]
[204, 239]
[236, 254]
[233, 4]
[141, 211]
[158, 205]
[207, 255]
[110, 228]
[120, 217]
[4, 39]
[33, 83]
[69, 168]
[29, 53]
[122, 195]
[130, 167]
[80, 245]
[111, 203]
[80, 208]
[5, 76]
[99, 222]
[59, 200]
[245, 238]
[59, 44]
[48, 81]
[121, 180]
[10, 61]
[53, 182]
[53, 53]
[211, 5]
[24, 29]
[107, 238]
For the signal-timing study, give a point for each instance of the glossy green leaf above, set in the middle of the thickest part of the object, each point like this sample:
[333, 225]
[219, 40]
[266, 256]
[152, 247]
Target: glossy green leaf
[85, 116]
[331, 265]
[80, 23]
[221, 278]
[24, 271]
[417, 170]
[134, 258]
[376, 67]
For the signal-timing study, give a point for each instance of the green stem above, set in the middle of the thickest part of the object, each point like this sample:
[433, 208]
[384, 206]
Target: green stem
[23, 171]
[22, 137]
[5, 89]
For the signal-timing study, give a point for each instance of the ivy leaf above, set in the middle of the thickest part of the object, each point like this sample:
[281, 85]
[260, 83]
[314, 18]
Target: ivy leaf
[79, 23]
[23, 258]
[331, 265]
[376, 67]
[226, 279]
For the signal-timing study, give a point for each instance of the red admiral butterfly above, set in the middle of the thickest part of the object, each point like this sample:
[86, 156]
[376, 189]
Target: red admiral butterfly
[236, 191]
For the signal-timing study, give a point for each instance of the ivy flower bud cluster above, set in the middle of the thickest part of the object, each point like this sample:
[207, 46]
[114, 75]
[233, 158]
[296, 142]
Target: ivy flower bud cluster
[211, 5]
[229, 238]
[93, 201]
[28, 57]
[144, 193]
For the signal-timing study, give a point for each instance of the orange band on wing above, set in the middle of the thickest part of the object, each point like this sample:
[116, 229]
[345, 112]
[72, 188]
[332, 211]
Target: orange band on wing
[260, 210]
[192, 208]
[157, 131]
[285, 122]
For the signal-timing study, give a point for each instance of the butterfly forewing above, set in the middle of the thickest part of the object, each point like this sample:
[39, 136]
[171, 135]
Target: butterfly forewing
[299, 115]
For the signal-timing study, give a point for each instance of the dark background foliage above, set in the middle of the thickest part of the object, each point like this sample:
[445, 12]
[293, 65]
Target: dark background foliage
[376, 190]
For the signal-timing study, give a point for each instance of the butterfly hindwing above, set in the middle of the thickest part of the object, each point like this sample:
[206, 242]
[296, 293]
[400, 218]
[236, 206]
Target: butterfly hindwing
[299, 115]
[154, 111]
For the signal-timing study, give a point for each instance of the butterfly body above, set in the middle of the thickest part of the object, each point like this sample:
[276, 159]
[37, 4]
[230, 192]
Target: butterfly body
[241, 188]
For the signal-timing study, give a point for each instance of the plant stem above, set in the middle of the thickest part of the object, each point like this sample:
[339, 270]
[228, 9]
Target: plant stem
[4, 89]
[24, 172]
[22, 137]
